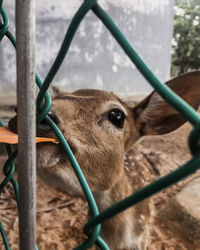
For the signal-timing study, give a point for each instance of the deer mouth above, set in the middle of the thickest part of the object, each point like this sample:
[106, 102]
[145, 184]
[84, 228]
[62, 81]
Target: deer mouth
[44, 130]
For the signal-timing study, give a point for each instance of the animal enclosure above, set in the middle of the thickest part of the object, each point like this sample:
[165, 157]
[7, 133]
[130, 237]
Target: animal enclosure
[92, 228]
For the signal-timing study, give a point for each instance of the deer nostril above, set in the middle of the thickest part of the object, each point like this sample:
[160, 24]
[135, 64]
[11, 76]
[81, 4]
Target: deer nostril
[12, 124]
[53, 117]
[44, 129]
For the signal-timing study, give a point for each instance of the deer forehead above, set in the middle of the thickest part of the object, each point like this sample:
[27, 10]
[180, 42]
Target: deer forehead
[87, 104]
[84, 118]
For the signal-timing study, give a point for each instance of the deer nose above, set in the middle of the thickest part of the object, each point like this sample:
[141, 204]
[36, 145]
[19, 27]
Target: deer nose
[51, 114]
[43, 126]
[12, 124]
[53, 117]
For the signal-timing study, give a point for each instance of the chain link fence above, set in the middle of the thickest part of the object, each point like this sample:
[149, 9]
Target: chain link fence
[93, 227]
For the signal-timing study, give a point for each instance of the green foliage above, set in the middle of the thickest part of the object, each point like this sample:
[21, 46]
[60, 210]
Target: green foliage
[186, 40]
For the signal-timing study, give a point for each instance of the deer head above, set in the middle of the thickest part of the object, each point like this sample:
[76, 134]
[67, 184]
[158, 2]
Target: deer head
[100, 128]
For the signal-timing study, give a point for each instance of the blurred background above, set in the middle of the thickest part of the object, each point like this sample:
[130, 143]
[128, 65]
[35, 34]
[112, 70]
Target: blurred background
[164, 32]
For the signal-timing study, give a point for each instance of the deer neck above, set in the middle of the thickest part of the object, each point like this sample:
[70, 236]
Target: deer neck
[125, 229]
[109, 197]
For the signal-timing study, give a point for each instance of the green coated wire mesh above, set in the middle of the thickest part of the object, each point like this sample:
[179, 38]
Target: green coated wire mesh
[93, 227]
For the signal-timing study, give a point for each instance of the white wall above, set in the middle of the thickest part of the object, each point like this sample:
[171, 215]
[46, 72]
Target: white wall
[95, 60]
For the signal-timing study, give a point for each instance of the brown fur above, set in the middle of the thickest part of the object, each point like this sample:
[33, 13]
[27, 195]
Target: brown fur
[100, 147]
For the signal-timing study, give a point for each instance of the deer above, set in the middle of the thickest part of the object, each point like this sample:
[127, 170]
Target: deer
[100, 129]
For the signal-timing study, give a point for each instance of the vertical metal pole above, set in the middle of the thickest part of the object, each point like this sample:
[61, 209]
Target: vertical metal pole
[25, 34]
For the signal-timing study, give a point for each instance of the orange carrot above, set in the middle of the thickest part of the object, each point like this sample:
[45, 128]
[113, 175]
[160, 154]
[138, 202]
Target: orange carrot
[7, 136]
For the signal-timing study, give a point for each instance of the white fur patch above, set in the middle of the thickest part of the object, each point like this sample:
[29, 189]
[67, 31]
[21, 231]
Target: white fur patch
[103, 199]
[71, 181]
[46, 158]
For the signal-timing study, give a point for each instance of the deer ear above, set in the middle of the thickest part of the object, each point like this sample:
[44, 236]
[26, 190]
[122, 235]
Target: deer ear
[154, 116]
[57, 92]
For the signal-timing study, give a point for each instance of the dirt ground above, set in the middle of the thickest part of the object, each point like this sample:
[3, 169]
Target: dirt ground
[60, 217]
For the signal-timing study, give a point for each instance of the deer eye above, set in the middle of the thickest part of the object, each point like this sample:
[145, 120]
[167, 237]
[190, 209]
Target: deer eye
[117, 117]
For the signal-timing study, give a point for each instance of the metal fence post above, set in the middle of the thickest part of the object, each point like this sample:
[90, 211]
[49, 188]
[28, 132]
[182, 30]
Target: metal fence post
[25, 34]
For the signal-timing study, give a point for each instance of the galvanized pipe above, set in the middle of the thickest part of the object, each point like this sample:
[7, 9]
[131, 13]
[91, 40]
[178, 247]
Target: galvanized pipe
[25, 34]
